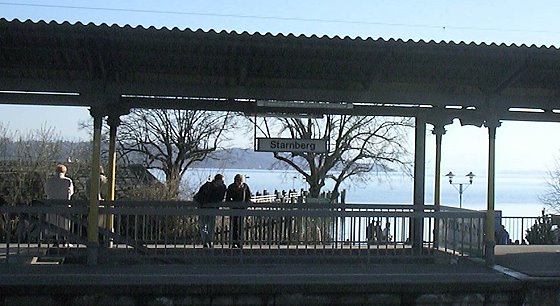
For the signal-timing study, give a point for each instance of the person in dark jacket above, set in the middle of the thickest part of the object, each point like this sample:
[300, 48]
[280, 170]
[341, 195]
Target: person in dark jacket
[502, 235]
[239, 192]
[207, 196]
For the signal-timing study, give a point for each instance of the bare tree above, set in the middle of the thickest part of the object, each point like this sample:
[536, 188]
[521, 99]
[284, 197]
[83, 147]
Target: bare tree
[551, 196]
[358, 146]
[171, 140]
[4, 141]
[28, 160]
[39, 146]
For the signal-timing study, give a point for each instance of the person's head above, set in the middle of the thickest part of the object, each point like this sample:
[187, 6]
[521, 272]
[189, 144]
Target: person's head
[218, 178]
[61, 169]
[238, 179]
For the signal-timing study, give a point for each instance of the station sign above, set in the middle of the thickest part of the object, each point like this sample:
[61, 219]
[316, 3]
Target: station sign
[291, 145]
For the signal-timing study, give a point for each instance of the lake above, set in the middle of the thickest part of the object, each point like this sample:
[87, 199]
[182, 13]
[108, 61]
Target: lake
[517, 192]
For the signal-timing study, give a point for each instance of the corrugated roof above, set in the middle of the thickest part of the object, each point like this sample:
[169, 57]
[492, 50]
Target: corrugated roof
[256, 33]
[103, 63]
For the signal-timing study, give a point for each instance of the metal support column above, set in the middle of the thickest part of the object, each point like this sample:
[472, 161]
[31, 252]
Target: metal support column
[438, 131]
[93, 212]
[113, 122]
[419, 181]
[490, 242]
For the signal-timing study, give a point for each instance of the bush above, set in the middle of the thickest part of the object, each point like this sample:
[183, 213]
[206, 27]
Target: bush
[541, 232]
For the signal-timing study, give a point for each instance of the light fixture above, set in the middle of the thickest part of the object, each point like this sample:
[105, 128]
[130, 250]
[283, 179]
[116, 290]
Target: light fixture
[461, 188]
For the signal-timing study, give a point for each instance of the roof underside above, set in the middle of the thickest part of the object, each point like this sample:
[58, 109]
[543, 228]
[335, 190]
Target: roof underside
[123, 67]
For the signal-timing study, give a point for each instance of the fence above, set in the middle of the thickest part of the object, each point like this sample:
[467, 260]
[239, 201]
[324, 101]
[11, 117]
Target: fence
[518, 228]
[461, 231]
[168, 232]
[290, 196]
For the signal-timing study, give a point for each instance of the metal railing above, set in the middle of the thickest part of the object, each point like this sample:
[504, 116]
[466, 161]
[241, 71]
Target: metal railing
[461, 231]
[169, 232]
[291, 196]
[517, 227]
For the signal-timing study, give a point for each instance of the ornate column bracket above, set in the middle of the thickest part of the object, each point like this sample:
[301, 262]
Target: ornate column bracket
[492, 123]
[97, 112]
[439, 130]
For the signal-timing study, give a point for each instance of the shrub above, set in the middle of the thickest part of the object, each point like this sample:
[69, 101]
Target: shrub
[541, 232]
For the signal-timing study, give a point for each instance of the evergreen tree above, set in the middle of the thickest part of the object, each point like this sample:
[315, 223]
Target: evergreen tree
[541, 232]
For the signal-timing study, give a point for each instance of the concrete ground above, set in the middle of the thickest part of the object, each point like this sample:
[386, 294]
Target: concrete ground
[270, 278]
[516, 267]
[531, 260]
[274, 284]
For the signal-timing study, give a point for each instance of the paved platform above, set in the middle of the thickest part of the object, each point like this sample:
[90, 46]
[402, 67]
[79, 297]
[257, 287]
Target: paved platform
[531, 260]
[517, 266]
[350, 278]
[445, 280]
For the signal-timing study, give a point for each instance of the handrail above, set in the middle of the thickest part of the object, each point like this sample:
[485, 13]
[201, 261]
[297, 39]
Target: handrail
[168, 229]
[276, 209]
[251, 205]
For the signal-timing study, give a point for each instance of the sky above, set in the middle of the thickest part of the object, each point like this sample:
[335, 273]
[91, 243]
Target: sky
[520, 146]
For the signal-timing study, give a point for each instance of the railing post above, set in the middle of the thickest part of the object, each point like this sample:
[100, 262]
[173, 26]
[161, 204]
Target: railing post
[522, 239]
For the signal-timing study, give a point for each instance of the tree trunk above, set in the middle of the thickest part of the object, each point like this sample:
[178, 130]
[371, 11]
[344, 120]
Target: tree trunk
[314, 190]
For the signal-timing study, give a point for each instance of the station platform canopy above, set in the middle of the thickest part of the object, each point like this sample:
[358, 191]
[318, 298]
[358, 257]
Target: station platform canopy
[115, 68]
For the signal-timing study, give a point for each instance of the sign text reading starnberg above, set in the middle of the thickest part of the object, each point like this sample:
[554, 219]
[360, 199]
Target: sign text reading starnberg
[291, 145]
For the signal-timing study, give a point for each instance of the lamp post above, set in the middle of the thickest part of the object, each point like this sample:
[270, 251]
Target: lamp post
[461, 188]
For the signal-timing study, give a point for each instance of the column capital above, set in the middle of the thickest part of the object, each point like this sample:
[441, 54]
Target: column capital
[97, 112]
[114, 120]
[492, 123]
[438, 130]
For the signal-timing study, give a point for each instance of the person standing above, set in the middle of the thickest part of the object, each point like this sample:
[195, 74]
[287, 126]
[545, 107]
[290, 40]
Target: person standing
[378, 232]
[239, 192]
[102, 185]
[209, 193]
[59, 187]
[370, 230]
[502, 235]
[101, 196]
[387, 232]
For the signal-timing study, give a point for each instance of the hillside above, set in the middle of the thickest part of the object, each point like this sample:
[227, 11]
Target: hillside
[231, 158]
[237, 158]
